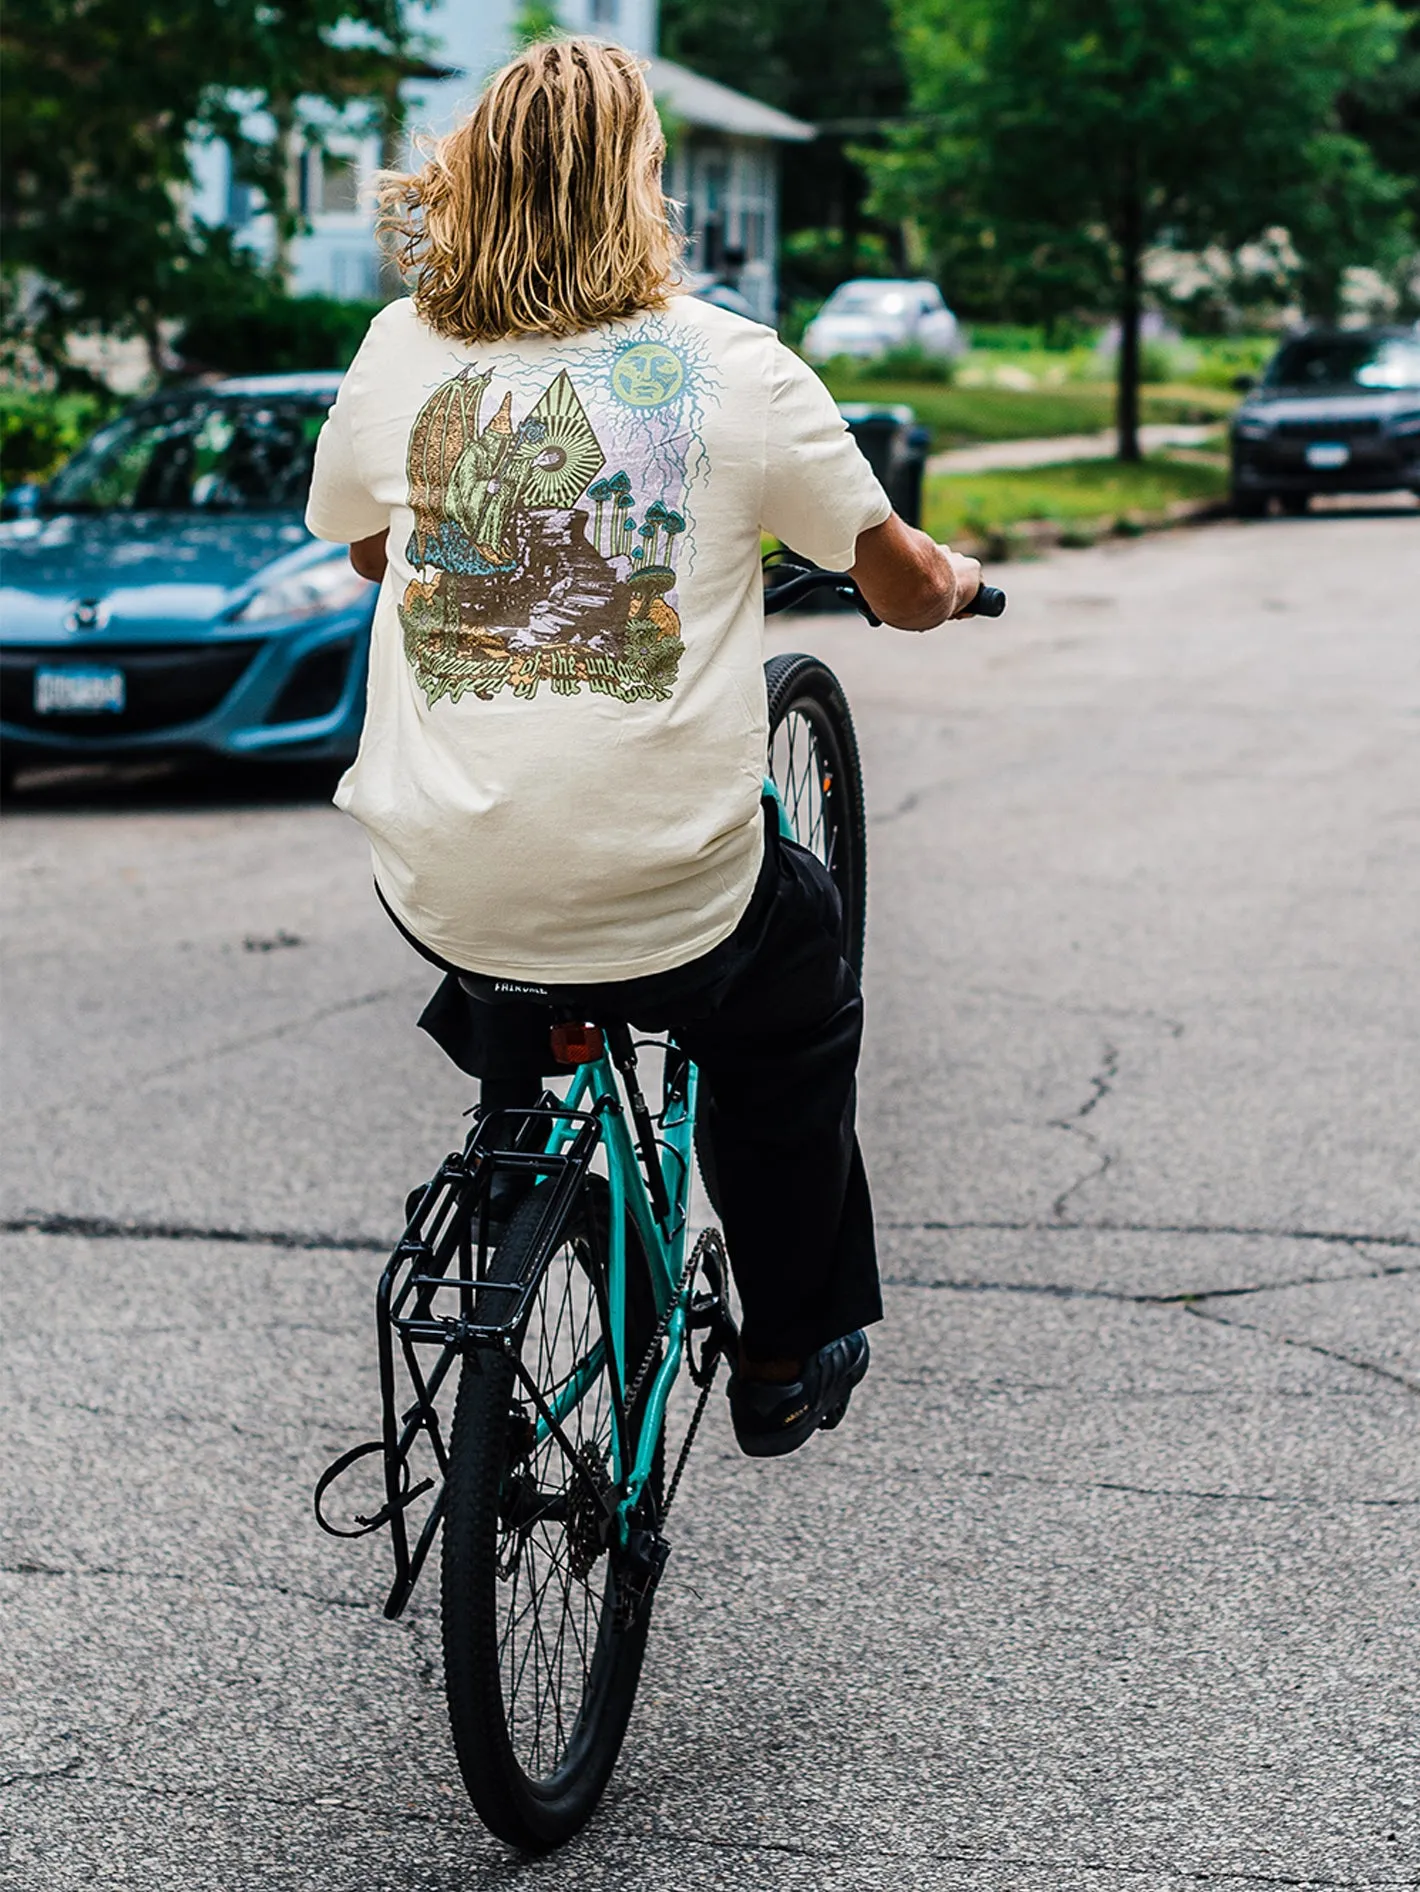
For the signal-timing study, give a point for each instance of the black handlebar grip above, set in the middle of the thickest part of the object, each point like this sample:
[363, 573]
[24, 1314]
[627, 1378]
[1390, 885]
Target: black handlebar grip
[989, 602]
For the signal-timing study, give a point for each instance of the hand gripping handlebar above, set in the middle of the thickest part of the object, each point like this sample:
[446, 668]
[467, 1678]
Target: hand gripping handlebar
[989, 601]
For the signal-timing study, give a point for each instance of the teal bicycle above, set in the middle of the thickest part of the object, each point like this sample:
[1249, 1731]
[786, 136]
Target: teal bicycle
[570, 1321]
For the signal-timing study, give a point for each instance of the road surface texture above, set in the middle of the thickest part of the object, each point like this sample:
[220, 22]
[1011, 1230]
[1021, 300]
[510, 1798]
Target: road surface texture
[1110, 1580]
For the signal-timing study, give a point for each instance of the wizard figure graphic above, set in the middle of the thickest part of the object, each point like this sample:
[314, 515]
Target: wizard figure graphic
[516, 584]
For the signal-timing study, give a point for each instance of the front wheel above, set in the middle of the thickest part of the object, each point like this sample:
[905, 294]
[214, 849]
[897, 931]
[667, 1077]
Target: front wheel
[539, 1670]
[813, 762]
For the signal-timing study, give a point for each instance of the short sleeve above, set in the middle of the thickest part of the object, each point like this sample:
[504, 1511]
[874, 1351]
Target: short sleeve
[341, 506]
[819, 491]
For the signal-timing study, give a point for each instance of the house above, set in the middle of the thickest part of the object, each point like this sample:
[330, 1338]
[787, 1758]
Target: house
[722, 163]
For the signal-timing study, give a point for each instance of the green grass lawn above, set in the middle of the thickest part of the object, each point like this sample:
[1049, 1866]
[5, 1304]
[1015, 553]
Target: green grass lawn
[960, 417]
[1084, 496]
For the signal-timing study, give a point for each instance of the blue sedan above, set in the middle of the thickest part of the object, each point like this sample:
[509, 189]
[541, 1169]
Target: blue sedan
[162, 595]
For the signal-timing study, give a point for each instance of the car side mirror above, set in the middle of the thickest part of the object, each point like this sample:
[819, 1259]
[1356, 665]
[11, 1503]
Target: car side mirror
[1244, 383]
[21, 502]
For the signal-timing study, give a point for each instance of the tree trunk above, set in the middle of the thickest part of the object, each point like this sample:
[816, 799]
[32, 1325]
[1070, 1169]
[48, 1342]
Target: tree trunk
[1127, 386]
[151, 329]
[852, 201]
[392, 158]
[282, 201]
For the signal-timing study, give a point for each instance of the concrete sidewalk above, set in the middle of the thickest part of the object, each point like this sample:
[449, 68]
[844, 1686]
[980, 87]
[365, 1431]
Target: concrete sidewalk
[1003, 455]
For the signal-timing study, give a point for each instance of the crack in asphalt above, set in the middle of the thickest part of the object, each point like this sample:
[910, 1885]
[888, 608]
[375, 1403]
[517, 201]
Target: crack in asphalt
[270, 1034]
[1101, 1084]
[302, 1423]
[1104, 1226]
[1062, 1291]
[67, 1771]
[1125, 1014]
[112, 1228]
[1306, 1346]
[1173, 1491]
[457, 1818]
[974, 1856]
[107, 1228]
[23, 1567]
[1190, 1302]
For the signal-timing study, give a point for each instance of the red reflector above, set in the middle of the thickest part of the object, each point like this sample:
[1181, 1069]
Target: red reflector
[576, 1044]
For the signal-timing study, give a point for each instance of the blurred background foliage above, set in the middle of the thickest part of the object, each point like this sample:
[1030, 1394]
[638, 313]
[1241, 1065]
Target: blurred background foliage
[1060, 167]
[103, 104]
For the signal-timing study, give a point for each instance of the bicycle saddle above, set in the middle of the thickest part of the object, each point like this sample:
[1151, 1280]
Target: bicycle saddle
[490, 991]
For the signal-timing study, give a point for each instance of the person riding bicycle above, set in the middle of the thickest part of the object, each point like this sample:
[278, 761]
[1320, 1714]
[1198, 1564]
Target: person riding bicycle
[561, 469]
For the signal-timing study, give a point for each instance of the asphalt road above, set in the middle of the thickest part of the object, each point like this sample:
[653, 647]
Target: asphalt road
[1109, 1582]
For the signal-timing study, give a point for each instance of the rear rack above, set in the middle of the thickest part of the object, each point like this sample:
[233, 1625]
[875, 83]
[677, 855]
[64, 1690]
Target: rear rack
[444, 1252]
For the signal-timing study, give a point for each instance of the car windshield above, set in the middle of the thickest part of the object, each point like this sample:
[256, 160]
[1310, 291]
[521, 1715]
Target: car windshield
[223, 454]
[1345, 361]
[867, 298]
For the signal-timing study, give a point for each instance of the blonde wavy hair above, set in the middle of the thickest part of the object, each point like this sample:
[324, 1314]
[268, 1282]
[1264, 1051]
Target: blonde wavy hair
[543, 213]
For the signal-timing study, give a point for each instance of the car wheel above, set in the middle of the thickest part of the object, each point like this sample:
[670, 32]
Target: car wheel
[1295, 504]
[1248, 505]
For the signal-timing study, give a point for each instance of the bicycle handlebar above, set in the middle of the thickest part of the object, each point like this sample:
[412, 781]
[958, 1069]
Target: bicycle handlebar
[989, 601]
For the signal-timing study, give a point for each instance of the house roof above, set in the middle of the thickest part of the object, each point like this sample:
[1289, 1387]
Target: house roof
[703, 102]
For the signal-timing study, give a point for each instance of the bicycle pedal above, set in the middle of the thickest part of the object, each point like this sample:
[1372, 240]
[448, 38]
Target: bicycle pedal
[833, 1418]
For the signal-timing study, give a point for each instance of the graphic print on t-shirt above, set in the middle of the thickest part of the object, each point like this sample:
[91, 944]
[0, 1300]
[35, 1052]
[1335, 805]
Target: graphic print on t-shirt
[551, 520]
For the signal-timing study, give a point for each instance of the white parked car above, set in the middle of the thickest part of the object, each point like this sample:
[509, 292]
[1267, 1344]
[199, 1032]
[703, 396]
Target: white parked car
[870, 316]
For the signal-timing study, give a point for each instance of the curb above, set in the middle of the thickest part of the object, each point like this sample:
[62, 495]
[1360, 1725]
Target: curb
[1027, 538]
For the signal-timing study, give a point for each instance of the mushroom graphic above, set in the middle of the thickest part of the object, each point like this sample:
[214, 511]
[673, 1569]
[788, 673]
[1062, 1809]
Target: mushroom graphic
[599, 493]
[620, 484]
[656, 518]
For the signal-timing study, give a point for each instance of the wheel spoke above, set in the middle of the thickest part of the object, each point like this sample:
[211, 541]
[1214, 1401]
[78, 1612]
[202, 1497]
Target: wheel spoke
[549, 1605]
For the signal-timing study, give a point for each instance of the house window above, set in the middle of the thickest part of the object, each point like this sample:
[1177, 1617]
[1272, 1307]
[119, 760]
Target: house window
[239, 197]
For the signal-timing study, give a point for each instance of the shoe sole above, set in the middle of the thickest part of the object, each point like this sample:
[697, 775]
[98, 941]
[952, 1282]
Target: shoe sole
[780, 1444]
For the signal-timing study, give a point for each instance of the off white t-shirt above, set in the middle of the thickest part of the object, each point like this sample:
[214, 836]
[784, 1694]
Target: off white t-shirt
[565, 731]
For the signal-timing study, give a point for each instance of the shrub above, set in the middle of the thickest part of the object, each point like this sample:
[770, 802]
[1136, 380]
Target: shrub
[275, 334]
[1156, 362]
[909, 363]
[39, 431]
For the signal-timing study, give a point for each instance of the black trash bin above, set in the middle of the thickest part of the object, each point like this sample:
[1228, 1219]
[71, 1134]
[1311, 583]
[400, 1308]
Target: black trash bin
[894, 444]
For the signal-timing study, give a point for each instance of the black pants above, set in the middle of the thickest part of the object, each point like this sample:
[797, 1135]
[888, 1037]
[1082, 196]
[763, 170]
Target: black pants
[773, 1017]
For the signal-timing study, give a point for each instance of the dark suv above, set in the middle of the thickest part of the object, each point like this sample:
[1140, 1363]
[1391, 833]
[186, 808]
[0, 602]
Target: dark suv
[1338, 411]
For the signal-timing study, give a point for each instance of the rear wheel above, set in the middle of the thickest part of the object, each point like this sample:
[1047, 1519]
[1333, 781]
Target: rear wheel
[540, 1675]
[813, 762]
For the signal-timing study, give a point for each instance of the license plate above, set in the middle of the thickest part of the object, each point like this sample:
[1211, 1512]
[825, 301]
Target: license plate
[79, 692]
[1328, 453]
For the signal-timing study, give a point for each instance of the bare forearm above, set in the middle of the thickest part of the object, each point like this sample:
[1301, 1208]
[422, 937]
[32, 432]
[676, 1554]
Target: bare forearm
[910, 580]
[370, 556]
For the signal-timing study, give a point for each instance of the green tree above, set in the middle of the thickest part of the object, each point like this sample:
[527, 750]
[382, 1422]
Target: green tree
[832, 62]
[1061, 139]
[104, 100]
[1383, 110]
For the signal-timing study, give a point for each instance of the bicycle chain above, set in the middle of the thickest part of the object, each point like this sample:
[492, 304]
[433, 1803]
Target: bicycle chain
[709, 1241]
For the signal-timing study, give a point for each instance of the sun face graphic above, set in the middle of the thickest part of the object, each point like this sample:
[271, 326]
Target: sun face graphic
[647, 374]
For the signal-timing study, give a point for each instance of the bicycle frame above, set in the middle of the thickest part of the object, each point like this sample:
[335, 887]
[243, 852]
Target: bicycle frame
[595, 1088]
[445, 1249]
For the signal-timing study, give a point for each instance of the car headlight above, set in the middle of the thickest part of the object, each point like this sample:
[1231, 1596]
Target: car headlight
[1408, 424]
[313, 591]
[1252, 427]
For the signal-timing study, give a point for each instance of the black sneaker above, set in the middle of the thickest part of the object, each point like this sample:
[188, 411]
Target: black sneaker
[771, 1418]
